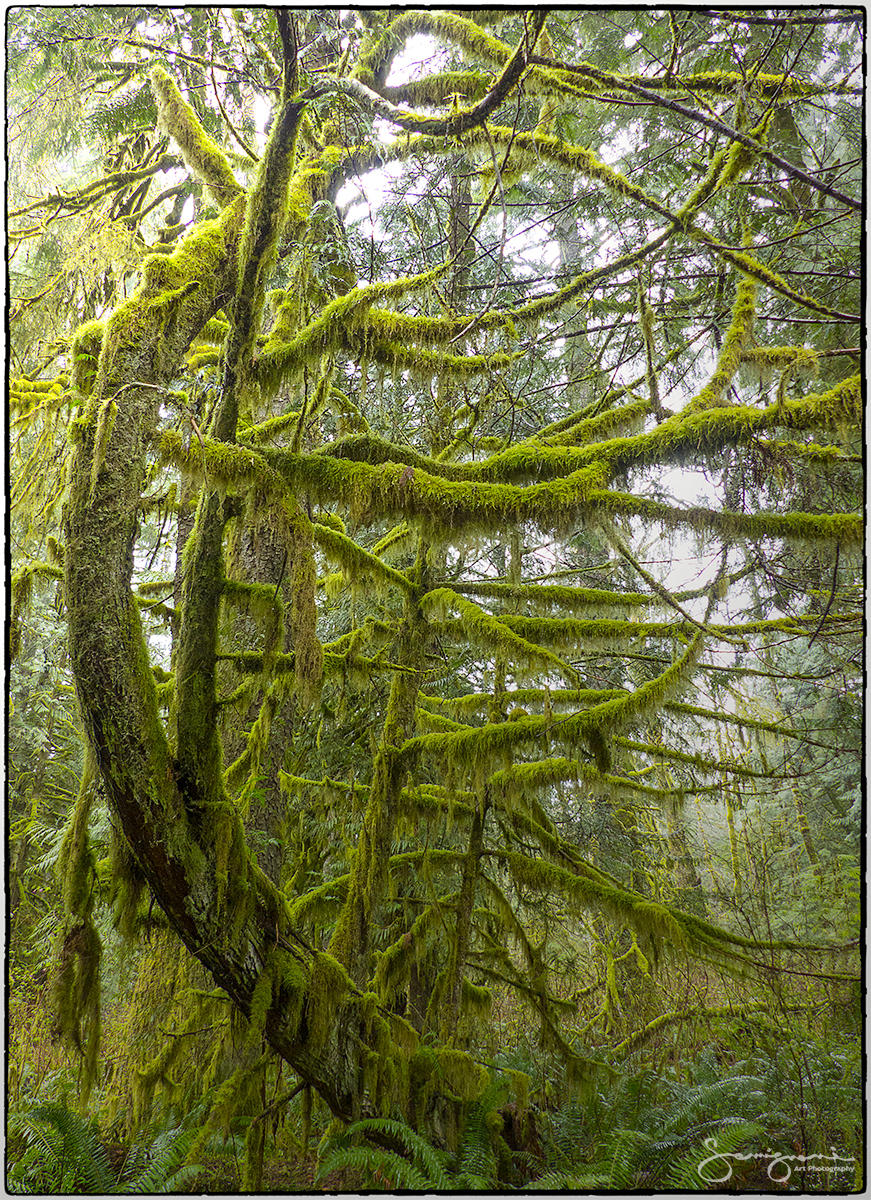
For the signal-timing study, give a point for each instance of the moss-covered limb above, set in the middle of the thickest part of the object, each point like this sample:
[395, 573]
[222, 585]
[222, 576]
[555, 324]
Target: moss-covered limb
[203, 156]
[604, 718]
[580, 430]
[703, 1014]
[730, 527]
[527, 150]
[140, 346]
[746, 722]
[198, 742]
[327, 331]
[655, 923]
[147, 794]
[76, 201]
[528, 459]
[579, 635]
[265, 431]
[619, 543]
[437, 89]
[320, 902]
[700, 428]
[447, 26]
[755, 269]
[748, 141]
[364, 342]
[27, 401]
[345, 663]
[731, 83]
[427, 720]
[228, 465]
[288, 348]
[810, 452]
[356, 559]
[699, 762]
[479, 625]
[737, 339]
[525, 779]
[646, 320]
[393, 489]
[475, 702]
[21, 590]
[553, 595]
[459, 121]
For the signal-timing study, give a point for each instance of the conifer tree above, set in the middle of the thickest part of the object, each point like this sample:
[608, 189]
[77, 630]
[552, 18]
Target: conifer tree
[397, 394]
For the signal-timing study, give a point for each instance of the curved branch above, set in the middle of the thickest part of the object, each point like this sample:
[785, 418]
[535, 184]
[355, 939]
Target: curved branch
[715, 123]
[456, 123]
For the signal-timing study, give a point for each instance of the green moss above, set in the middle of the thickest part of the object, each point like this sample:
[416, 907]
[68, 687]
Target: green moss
[84, 351]
[105, 423]
[736, 341]
[282, 358]
[732, 527]
[328, 985]
[479, 625]
[754, 269]
[548, 595]
[357, 561]
[466, 1078]
[203, 156]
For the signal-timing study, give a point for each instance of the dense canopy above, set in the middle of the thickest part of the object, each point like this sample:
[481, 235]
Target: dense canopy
[436, 439]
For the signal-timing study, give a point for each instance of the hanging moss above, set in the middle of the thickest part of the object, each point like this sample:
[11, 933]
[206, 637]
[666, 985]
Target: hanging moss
[328, 985]
[357, 560]
[731, 527]
[495, 631]
[76, 982]
[466, 1078]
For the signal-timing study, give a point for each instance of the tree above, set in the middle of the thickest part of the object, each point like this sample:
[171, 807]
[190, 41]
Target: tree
[367, 801]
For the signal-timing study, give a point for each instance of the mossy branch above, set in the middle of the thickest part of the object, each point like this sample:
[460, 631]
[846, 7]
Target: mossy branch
[203, 156]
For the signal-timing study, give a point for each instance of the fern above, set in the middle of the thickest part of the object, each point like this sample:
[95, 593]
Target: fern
[425, 1172]
[690, 1174]
[165, 1169]
[379, 1166]
[476, 1160]
[63, 1153]
[424, 1156]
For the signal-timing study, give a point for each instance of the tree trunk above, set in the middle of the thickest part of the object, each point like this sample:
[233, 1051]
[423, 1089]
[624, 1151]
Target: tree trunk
[172, 835]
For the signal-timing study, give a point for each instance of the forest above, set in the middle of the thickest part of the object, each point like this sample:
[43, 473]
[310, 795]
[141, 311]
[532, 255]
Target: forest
[435, 612]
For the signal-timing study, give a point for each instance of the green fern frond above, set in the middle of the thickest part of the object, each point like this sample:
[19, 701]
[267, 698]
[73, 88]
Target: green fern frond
[384, 1171]
[424, 1156]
